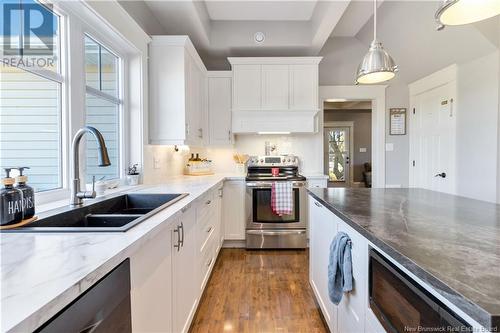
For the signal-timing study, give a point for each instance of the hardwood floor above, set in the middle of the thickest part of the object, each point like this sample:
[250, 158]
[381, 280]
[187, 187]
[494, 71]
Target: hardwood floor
[259, 291]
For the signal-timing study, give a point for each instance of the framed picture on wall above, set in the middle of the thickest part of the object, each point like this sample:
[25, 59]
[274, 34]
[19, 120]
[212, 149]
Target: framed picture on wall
[397, 121]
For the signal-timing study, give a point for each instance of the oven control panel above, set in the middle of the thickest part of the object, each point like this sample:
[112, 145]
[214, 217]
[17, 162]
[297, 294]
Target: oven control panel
[274, 161]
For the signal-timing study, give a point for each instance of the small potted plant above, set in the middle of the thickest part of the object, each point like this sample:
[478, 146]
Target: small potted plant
[133, 175]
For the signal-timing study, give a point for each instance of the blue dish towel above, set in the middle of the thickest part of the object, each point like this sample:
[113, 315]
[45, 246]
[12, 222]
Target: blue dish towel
[339, 267]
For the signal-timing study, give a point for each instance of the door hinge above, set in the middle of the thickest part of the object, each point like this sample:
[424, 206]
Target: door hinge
[413, 163]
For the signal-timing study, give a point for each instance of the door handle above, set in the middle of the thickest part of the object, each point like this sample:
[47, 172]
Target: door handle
[182, 238]
[442, 175]
[178, 245]
[317, 204]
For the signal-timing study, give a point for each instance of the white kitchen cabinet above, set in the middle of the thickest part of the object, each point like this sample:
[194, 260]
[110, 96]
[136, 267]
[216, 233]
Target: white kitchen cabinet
[303, 86]
[151, 284]
[322, 230]
[351, 310]
[185, 272]
[234, 215]
[219, 108]
[247, 88]
[275, 87]
[177, 85]
[219, 231]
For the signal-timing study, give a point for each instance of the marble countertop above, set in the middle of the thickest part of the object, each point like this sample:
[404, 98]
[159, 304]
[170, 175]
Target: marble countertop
[451, 243]
[43, 272]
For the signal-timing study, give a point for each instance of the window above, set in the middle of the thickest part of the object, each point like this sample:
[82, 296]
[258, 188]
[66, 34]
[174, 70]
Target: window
[103, 107]
[30, 93]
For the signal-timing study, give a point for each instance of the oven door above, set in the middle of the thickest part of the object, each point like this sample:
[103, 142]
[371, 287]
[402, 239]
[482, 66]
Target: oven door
[262, 216]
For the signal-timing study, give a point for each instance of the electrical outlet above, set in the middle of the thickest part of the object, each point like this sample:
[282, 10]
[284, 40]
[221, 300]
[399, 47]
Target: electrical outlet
[156, 162]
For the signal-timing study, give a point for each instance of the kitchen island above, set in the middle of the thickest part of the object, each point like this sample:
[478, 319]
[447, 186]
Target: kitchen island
[450, 243]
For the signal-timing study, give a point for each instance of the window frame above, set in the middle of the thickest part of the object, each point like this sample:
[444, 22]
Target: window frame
[119, 101]
[75, 22]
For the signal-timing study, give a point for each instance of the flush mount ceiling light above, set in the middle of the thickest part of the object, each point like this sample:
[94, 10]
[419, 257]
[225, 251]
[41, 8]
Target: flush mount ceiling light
[259, 37]
[377, 65]
[458, 12]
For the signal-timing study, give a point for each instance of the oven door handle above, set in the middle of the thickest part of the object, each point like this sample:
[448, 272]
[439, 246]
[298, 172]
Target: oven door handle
[276, 232]
[268, 184]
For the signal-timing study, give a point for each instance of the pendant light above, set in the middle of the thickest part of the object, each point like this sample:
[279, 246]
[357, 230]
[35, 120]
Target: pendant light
[458, 12]
[377, 65]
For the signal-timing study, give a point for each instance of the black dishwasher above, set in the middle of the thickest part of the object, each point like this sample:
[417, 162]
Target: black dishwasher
[105, 307]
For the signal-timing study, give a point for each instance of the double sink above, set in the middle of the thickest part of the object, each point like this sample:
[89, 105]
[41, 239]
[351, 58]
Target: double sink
[116, 214]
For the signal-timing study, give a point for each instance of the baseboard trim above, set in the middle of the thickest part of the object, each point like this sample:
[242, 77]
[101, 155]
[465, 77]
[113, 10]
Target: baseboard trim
[393, 186]
[238, 244]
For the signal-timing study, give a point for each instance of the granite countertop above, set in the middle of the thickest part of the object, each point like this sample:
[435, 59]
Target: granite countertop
[43, 272]
[452, 243]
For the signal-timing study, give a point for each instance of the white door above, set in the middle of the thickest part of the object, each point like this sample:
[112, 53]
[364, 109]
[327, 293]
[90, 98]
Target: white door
[304, 87]
[247, 87]
[185, 271]
[322, 229]
[219, 110]
[275, 87]
[234, 210]
[352, 307]
[434, 119]
[338, 155]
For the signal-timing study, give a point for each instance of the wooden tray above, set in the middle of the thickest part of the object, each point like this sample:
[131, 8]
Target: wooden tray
[19, 224]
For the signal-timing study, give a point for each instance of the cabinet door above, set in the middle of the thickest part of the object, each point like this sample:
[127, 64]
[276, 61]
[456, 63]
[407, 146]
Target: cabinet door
[234, 210]
[304, 87]
[151, 281]
[219, 229]
[219, 110]
[322, 230]
[194, 102]
[185, 272]
[351, 310]
[247, 87]
[275, 87]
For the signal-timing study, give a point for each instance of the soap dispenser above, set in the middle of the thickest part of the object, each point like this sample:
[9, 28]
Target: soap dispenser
[28, 194]
[11, 201]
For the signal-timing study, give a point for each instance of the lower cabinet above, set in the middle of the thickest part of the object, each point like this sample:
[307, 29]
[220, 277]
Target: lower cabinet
[234, 214]
[350, 314]
[322, 229]
[185, 275]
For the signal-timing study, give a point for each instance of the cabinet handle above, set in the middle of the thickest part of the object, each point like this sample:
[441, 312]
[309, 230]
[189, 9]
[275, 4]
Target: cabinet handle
[221, 193]
[182, 238]
[229, 136]
[185, 208]
[178, 245]
[201, 133]
[187, 129]
[317, 204]
[210, 262]
[209, 229]
[208, 202]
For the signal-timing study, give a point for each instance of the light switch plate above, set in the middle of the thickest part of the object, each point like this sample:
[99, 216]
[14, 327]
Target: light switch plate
[362, 150]
[389, 147]
[156, 162]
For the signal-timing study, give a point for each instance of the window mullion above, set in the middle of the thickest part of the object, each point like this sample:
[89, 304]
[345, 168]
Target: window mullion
[100, 94]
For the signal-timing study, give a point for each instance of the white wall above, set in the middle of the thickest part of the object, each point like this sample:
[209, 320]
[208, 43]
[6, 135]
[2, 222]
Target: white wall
[477, 127]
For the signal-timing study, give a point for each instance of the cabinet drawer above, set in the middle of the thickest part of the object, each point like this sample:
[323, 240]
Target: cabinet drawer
[206, 263]
[205, 207]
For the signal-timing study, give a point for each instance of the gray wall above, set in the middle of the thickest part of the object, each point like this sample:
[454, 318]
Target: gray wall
[362, 136]
[418, 49]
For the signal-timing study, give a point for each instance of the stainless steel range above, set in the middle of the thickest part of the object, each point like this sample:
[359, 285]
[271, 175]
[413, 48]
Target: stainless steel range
[264, 228]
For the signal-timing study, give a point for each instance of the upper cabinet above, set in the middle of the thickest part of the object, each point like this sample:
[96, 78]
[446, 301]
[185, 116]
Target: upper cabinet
[247, 87]
[178, 92]
[268, 90]
[219, 108]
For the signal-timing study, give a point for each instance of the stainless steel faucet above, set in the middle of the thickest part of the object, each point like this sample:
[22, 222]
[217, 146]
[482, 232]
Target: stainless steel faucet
[77, 195]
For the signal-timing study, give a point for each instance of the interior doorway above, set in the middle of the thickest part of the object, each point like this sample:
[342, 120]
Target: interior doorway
[347, 143]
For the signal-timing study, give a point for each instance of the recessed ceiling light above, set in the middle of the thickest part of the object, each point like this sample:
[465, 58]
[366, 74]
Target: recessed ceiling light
[259, 37]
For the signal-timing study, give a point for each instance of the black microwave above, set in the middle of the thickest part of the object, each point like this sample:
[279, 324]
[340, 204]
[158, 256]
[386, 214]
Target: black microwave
[402, 305]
